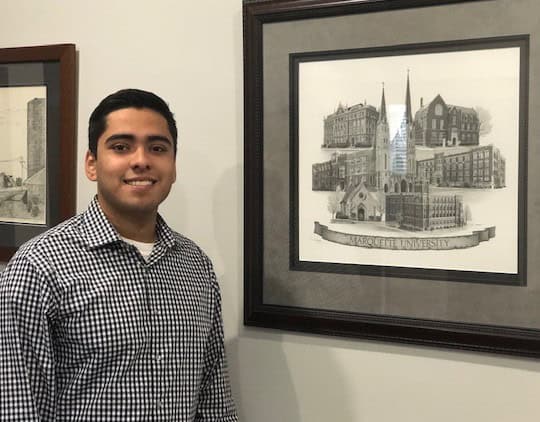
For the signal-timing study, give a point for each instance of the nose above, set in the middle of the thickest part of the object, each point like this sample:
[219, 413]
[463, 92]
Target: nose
[139, 158]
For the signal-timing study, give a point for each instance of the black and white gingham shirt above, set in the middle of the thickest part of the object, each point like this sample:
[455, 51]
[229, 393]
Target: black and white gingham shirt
[90, 331]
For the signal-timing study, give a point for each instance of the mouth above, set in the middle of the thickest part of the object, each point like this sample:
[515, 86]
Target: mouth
[139, 182]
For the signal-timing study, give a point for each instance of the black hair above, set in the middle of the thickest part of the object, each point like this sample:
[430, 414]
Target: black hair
[127, 98]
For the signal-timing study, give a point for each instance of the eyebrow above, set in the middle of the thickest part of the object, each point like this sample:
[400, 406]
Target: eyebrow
[131, 137]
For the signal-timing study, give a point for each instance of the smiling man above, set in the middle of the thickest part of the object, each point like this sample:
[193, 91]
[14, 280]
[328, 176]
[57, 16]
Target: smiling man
[113, 316]
[135, 170]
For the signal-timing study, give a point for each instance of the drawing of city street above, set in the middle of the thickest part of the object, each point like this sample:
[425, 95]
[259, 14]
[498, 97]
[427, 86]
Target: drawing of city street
[22, 155]
[413, 161]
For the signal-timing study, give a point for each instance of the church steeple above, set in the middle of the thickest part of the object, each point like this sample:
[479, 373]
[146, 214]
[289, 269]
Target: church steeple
[382, 113]
[408, 108]
[381, 152]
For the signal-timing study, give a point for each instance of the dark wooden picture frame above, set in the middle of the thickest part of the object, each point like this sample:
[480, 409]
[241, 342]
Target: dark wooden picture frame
[53, 67]
[379, 306]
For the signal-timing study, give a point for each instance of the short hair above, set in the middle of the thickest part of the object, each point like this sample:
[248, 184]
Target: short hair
[127, 98]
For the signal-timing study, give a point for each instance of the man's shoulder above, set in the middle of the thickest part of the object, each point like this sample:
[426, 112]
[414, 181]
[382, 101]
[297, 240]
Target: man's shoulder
[52, 240]
[187, 246]
[41, 256]
[190, 254]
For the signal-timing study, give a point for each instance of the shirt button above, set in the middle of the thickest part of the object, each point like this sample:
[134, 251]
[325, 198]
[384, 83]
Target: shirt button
[154, 312]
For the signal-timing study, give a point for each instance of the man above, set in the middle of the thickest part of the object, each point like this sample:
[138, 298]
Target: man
[112, 316]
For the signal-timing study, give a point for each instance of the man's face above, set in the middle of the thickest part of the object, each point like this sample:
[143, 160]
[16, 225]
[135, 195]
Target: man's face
[135, 165]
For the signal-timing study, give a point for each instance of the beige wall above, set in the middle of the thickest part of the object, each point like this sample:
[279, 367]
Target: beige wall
[191, 54]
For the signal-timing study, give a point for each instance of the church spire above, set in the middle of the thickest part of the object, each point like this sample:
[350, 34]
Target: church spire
[408, 108]
[382, 113]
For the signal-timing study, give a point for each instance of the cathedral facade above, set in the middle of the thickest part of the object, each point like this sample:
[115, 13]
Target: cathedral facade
[389, 165]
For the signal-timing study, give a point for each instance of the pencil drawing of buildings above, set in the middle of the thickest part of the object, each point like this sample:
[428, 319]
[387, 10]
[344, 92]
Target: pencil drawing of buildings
[23, 192]
[382, 176]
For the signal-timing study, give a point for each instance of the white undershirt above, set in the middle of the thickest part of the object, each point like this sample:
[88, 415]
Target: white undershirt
[145, 249]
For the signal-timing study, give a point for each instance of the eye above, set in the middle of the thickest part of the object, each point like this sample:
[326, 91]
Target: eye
[120, 147]
[159, 148]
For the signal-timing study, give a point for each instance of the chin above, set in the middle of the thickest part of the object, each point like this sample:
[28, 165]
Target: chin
[138, 207]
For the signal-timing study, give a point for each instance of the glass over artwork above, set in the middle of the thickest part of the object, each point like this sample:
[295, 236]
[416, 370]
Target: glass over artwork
[23, 167]
[410, 159]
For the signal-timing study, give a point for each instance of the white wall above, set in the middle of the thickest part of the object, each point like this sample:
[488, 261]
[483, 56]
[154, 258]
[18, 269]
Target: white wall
[191, 54]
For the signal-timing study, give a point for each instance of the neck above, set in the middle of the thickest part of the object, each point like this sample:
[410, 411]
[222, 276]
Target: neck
[135, 226]
[136, 229]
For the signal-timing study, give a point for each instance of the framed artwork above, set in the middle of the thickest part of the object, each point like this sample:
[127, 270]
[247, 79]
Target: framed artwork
[428, 188]
[387, 172]
[37, 128]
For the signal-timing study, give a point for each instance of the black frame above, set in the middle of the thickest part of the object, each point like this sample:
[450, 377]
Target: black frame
[519, 278]
[486, 337]
[54, 67]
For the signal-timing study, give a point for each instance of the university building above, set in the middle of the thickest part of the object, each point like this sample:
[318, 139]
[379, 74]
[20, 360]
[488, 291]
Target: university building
[480, 167]
[439, 124]
[354, 126]
[420, 210]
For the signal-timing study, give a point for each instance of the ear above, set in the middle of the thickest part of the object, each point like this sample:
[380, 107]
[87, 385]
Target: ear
[90, 162]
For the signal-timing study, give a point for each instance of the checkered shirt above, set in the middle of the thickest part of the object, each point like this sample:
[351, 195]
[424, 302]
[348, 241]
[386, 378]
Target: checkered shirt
[90, 331]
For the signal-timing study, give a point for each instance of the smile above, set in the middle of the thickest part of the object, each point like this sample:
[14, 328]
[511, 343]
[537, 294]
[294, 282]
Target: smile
[139, 182]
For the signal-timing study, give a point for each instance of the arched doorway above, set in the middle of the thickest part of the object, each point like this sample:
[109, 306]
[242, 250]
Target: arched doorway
[361, 214]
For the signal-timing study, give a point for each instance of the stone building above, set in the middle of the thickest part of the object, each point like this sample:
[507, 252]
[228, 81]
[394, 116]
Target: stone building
[351, 127]
[36, 135]
[420, 210]
[480, 167]
[362, 203]
[439, 124]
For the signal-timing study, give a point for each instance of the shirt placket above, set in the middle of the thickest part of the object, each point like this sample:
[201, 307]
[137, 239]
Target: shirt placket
[158, 342]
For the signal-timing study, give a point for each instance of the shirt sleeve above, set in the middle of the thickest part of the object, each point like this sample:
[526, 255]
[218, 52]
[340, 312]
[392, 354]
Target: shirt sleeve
[26, 353]
[215, 400]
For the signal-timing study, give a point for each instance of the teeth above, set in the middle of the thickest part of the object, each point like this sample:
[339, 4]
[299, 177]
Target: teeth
[139, 182]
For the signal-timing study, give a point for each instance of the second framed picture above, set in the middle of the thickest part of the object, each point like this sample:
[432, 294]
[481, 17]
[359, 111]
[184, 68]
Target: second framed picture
[37, 131]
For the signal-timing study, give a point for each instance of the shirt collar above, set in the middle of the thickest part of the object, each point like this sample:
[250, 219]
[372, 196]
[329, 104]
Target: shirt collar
[165, 235]
[99, 231]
